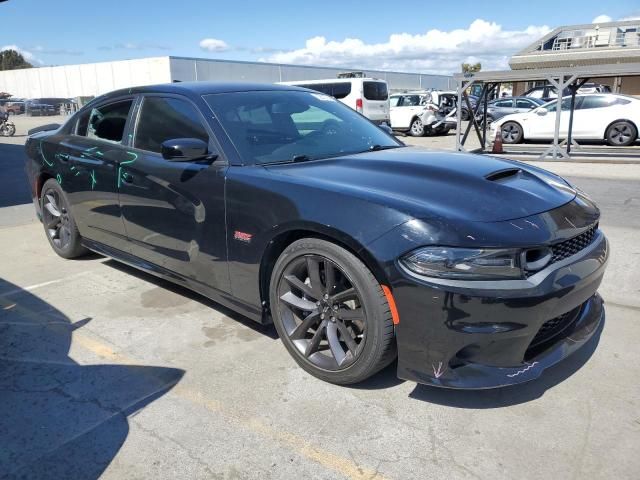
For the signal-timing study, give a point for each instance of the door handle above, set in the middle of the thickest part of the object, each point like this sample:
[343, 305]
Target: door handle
[127, 178]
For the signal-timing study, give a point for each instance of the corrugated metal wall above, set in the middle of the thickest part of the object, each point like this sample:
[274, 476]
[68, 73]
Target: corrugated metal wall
[192, 69]
[89, 79]
[92, 79]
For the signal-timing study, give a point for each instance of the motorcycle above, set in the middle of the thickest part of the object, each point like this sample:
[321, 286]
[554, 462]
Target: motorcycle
[7, 128]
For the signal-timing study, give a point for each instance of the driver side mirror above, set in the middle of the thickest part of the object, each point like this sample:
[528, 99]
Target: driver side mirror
[186, 150]
[542, 111]
[386, 128]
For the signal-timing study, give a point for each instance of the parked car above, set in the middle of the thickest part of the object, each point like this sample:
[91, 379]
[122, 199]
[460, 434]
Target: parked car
[549, 92]
[414, 113]
[610, 117]
[507, 105]
[36, 107]
[368, 96]
[289, 207]
[15, 107]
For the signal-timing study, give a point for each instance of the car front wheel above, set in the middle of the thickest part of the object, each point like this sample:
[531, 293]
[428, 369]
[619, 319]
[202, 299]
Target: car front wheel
[331, 313]
[58, 222]
[621, 134]
[511, 132]
[417, 128]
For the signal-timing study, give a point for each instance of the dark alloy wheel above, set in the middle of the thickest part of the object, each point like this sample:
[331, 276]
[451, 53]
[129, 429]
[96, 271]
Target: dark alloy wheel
[511, 132]
[621, 134]
[324, 310]
[58, 222]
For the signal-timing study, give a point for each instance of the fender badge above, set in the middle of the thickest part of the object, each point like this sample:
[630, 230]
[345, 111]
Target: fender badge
[242, 236]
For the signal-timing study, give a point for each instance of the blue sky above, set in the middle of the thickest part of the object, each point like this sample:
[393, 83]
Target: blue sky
[423, 36]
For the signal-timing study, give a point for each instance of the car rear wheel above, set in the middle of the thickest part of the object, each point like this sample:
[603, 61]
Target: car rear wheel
[511, 132]
[58, 222]
[621, 134]
[417, 128]
[330, 312]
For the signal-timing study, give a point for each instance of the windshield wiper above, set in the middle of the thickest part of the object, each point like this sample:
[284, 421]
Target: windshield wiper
[375, 148]
[294, 159]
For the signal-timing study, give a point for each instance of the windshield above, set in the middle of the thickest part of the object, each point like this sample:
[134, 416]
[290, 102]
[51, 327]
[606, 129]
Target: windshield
[280, 126]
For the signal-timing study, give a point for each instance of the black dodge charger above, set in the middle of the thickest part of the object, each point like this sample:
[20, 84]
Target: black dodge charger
[288, 207]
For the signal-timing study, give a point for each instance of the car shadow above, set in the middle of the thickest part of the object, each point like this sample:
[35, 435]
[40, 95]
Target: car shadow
[266, 330]
[14, 188]
[61, 419]
[512, 395]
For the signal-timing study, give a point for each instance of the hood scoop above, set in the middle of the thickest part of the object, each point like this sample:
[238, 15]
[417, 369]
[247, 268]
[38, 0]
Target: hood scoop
[503, 174]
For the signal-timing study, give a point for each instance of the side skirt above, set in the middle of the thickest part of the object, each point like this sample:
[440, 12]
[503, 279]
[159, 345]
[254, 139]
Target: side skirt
[223, 298]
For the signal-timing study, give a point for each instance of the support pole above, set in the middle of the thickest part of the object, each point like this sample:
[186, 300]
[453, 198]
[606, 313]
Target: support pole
[574, 89]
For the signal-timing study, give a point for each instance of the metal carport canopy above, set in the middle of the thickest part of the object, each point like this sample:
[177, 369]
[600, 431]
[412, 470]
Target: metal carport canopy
[561, 78]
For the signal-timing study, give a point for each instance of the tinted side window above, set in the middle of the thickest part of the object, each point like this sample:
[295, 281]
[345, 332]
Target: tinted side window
[504, 103]
[601, 102]
[375, 91]
[106, 122]
[163, 119]
[521, 103]
[393, 101]
[341, 90]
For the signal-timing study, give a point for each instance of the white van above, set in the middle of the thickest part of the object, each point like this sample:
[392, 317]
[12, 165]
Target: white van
[368, 96]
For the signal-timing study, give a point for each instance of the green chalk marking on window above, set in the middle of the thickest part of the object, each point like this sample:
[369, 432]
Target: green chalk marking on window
[93, 179]
[73, 168]
[126, 162]
[59, 179]
[77, 173]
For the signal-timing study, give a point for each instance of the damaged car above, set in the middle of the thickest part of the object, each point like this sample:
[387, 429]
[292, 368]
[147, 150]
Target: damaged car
[290, 208]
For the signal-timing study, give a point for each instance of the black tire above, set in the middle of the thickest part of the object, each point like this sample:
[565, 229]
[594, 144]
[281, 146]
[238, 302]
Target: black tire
[59, 225]
[8, 130]
[621, 134]
[416, 129]
[364, 314]
[512, 132]
[442, 130]
[465, 115]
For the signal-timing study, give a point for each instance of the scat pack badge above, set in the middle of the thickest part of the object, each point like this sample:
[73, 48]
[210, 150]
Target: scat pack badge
[242, 236]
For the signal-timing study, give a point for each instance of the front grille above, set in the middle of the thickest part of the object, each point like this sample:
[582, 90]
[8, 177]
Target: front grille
[551, 330]
[565, 249]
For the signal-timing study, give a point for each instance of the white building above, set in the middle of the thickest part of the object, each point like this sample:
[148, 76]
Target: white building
[91, 79]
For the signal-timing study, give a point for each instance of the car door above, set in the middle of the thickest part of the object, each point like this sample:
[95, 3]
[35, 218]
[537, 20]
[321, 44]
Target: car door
[409, 106]
[174, 212]
[542, 125]
[395, 112]
[499, 108]
[592, 116]
[89, 158]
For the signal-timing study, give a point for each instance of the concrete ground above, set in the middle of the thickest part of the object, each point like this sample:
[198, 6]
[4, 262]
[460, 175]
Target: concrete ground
[106, 371]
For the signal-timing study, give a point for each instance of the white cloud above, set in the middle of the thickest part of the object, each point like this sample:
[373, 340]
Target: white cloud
[602, 19]
[213, 45]
[435, 51]
[28, 56]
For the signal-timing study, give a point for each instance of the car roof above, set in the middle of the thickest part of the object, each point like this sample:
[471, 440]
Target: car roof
[206, 88]
[332, 80]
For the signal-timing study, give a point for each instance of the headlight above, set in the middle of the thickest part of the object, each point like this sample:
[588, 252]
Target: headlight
[464, 263]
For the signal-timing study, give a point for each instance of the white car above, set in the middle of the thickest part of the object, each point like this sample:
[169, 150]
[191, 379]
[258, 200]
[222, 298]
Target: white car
[610, 117]
[368, 96]
[414, 113]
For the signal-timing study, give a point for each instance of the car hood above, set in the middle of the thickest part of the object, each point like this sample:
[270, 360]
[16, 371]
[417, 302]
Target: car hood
[429, 184]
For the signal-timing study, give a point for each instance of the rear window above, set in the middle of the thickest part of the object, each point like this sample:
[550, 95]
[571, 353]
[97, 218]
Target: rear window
[336, 90]
[375, 91]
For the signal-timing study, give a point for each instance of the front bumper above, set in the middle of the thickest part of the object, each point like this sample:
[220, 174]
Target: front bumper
[466, 334]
